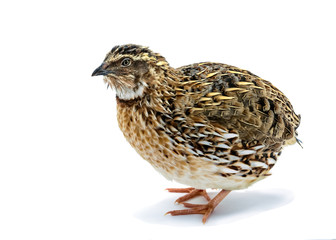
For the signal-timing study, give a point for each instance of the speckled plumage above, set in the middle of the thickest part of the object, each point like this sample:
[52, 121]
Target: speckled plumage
[206, 125]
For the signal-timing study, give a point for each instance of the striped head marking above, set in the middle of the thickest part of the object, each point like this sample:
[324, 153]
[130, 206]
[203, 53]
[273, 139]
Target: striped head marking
[128, 69]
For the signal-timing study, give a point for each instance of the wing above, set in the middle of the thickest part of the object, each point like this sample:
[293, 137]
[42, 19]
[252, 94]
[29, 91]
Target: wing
[238, 100]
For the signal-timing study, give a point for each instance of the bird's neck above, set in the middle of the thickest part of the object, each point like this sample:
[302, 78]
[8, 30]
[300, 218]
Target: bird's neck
[158, 96]
[126, 102]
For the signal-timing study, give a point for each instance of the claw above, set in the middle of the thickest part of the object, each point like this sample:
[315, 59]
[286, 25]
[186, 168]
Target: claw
[205, 209]
[191, 193]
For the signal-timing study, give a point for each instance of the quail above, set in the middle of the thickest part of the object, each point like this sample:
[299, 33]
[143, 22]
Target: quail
[205, 125]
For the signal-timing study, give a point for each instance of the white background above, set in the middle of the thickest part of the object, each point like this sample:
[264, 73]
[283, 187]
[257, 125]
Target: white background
[66, 172]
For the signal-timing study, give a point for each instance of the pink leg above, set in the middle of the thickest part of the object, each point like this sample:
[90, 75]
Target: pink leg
[205, 209]
[191, 193]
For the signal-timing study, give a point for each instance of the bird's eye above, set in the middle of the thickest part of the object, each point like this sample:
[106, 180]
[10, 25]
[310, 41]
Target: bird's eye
[126, 62]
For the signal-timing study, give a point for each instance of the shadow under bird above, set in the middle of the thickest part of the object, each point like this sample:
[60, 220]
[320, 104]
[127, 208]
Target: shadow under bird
[205, 125]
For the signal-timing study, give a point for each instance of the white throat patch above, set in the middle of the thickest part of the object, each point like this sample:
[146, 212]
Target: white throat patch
[128, 94]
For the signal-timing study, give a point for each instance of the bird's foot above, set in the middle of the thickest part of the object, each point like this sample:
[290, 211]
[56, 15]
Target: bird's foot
[191, 193]
[205, 209]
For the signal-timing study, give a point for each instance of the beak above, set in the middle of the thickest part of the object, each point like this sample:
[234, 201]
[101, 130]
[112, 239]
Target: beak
[101, 70]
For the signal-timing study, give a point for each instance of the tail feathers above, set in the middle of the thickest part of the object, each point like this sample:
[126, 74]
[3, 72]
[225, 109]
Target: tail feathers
[299, 142]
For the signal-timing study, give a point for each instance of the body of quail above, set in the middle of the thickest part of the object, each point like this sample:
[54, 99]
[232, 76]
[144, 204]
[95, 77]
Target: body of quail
[205, 125]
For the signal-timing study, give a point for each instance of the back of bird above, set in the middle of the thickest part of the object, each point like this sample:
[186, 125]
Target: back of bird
[237, 99]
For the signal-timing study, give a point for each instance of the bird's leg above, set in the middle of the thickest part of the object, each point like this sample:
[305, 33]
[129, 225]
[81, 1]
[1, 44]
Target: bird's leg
[205, 209]
[191, 193]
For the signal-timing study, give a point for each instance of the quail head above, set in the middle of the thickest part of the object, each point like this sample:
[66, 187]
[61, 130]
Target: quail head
[205, 125]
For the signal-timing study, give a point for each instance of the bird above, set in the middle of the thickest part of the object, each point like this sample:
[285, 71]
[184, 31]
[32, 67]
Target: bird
[206, 125]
